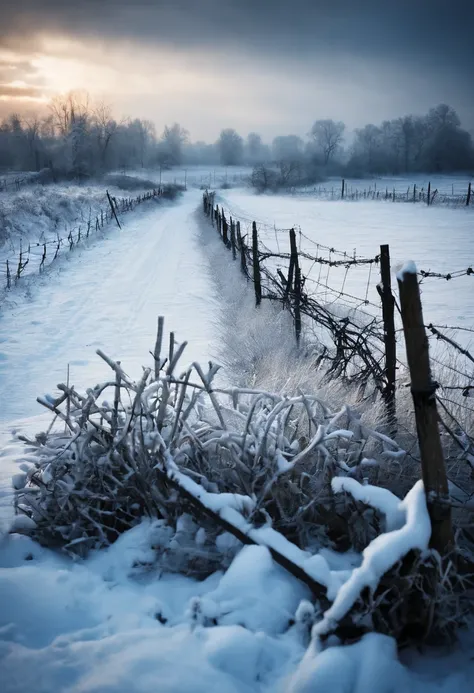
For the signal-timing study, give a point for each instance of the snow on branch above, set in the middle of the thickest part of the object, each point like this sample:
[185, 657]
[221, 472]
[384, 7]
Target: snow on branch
[383, 553]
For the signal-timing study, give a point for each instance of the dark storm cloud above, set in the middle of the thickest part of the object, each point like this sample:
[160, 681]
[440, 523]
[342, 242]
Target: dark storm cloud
[431, 31]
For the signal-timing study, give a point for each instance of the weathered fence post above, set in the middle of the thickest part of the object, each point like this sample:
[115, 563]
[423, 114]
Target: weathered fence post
[43, 257]
[257, 281]
[388, 310]
[428, 200]
[468, 198]
[295, 268]
[243, 259]
[225, 236]
[424, 399]
[232, 239]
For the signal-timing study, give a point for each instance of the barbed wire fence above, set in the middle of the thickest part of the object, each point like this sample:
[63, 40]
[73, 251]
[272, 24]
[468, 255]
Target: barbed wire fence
[36, 256]
[361, 338]
[413, 194]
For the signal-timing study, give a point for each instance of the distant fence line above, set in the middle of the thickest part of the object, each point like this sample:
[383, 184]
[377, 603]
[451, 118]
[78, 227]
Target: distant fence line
[413, 194]
[358, 346]
[44, 253]
[15, 183]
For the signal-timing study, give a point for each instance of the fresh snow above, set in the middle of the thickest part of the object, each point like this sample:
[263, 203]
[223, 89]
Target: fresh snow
[116, 622]
[408, 268]
[438, 239]
[106, 295]
[381, 555]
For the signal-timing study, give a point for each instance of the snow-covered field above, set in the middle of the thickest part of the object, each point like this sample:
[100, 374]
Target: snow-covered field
[105, 295]
[108, 624]
[38, 213]
[436, 238]
[198, 176]
[445, 185]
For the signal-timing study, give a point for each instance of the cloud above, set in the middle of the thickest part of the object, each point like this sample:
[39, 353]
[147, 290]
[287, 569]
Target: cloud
[20, 92]
[433, 30]
[270, 65]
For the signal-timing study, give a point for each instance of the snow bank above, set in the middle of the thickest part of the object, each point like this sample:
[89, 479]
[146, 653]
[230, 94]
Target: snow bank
[369, 666]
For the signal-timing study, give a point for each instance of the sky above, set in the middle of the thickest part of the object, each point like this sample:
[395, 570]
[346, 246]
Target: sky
[271, 66]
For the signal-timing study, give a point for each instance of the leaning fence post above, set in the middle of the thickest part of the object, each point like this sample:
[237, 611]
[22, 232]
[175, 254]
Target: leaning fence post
[113, 209]
[468, 198]
[388, 310]
[423, 390]
[256, 266]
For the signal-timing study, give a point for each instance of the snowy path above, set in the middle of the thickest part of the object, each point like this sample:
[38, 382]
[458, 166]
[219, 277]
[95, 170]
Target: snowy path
[106, 296]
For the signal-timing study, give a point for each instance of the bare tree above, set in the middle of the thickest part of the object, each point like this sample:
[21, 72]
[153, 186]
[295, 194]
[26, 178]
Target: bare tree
[106, 128]
[173, 139]
[328, 136]
[231, 147]
[255, 149]
[32, 129]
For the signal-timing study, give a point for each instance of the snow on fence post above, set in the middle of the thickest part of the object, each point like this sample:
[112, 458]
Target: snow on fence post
[294, 264]
[256, 266]
[388, 310]
[232, 239]
[468, 198]
[423, 390]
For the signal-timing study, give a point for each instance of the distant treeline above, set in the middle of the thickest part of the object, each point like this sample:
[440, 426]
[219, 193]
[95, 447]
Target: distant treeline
[78, 138]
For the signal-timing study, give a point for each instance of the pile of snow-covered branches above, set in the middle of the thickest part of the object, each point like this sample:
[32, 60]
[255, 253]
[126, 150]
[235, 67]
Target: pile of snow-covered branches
[222, 467]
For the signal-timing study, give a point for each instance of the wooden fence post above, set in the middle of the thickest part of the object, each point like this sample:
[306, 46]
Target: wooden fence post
[388, 310]
[225, 236]
[424, 399]
[295, 268]
[232, 239]
[468, 198]
[414, 192]
[429, 194]
[9, 278]
[343, 188]
[256, 266]
[243, 259]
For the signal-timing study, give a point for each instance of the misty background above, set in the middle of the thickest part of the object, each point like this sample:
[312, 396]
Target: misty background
[307, 89]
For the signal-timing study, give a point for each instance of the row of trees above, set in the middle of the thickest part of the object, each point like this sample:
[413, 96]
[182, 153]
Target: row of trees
[79, 138]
